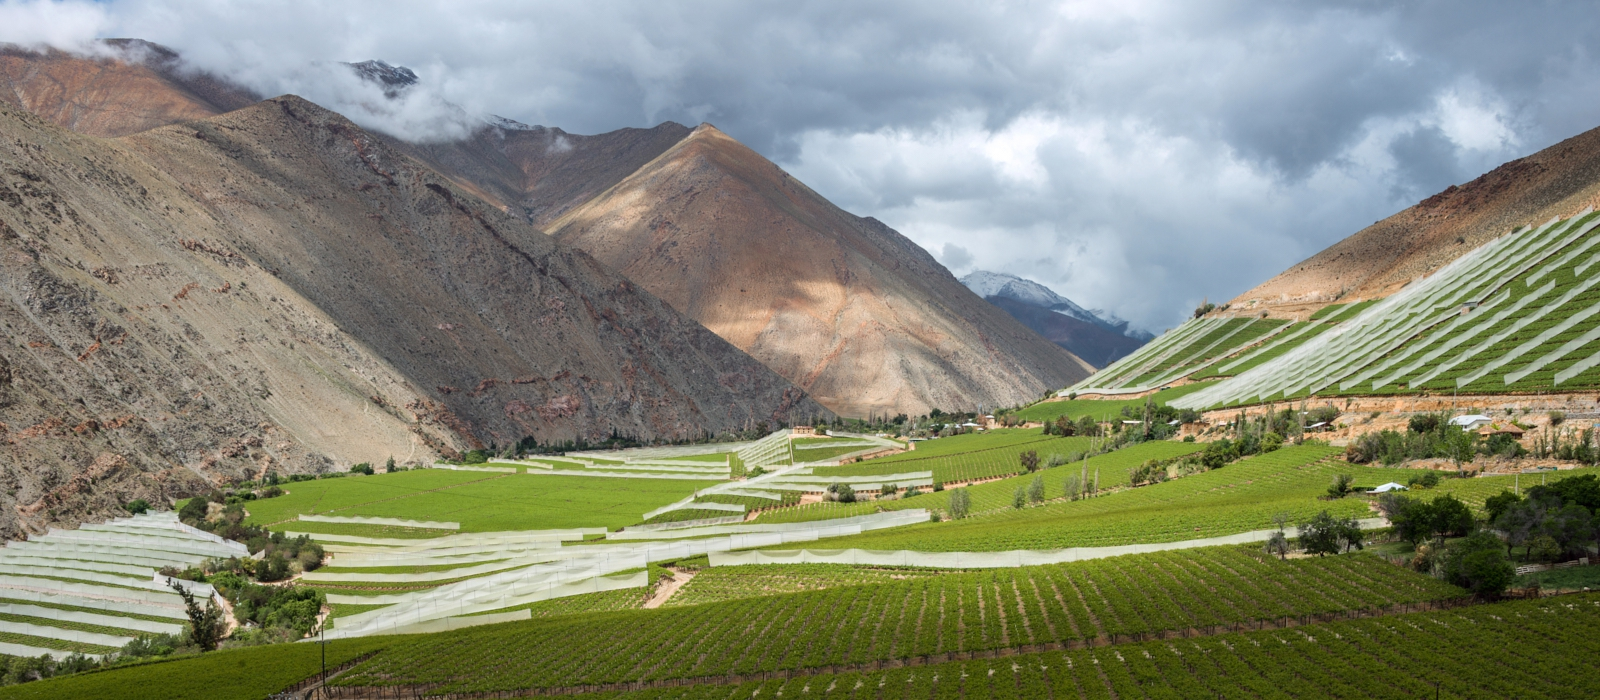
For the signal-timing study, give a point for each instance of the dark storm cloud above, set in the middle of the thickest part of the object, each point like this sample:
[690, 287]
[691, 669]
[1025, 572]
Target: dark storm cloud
[1137, 156]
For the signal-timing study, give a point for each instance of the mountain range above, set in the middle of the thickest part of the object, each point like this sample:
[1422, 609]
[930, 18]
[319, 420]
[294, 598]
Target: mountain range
[1097, 336]
[201, 286]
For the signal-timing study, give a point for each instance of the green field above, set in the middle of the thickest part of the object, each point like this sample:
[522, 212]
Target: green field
[965, 457]
[1112, 469]
[1397, 657]
[1101, 410]
[480, 501]
[1237, 498]
[237, 674]
[955, 612]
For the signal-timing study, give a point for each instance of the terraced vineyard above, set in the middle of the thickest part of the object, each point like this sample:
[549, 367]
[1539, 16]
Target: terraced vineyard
[1515, 315]
[1111, 469]
[1237, 498]
[931, 615]
[965, 457]
[1404, 656]
[724, 583]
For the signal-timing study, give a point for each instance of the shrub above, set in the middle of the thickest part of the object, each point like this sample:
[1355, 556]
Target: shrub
[1055, 459]
[959, 504]
[841, 493]
[1036, 489]
[1478, 563]
[137, 506]
[1020, 497]
[362, 468]
[1340, 486]
[888, 490]
[1270, 442]
[1030, 460]
[1423, 423]
[193, 511]
[1426, 480]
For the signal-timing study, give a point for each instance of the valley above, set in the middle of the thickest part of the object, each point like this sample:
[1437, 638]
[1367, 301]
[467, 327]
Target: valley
[295, 408]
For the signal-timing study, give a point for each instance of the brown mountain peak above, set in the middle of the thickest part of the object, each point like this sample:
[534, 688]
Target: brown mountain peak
[1378, 260]
[846, 307]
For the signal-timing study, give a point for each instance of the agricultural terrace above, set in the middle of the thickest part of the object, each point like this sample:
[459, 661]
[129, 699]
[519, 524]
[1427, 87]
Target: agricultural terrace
[965, 457]
[249, 673]
[1101, 410]
[1212, 347]
[1240, 497]
[1515, 315]
[1111, 469]
[724, 583]
[480, 501]
[1402, 656]
[951, 613]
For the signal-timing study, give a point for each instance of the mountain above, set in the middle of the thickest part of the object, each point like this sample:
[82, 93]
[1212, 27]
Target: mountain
[845, 307]
[276, 289]
[1090, 335]
[998, 284]
[134, 86]
[1558, 181]
[540, 173]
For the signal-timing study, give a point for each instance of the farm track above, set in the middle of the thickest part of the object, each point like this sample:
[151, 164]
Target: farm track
[424, 692]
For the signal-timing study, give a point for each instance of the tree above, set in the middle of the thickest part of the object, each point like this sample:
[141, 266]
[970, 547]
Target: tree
[1217, 454]
[1426, 480]
[1459, 445]
[1036, 489]
[1320, 535]
[1450, 517]
[1030, 460]
[1340, 487]
[842, 493]
[1087, 427]
[205, 625]
[194, 510]
[389, 465]
[1496, 505]
[1411, 518]
[1350, 535]
[1072, 486]
[1020, 498]
[1278, 543]
[1065, 427]
[1478, 563]
[137, 506]
[959, 504]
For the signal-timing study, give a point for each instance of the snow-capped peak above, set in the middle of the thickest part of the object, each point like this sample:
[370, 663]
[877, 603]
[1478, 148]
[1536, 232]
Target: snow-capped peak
[998, 284]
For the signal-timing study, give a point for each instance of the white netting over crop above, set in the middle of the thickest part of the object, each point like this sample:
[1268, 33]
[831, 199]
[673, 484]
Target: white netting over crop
[460, 468]
[394, 522]
[31, 652]
[1421, 329]
[445, 624]
[875, 521]
[110, 568]
[87, 618]
[983, 560]
[70, 635]
[768, 451]
[1565, 349]
[173, 610]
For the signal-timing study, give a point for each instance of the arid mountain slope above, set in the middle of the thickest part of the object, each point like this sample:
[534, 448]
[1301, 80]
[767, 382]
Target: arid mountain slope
[275, 288]
[542, 172]
[135, 87]
[847, 308]
[1558, 181]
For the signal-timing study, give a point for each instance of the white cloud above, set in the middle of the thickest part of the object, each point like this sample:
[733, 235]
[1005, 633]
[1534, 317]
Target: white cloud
[71, 26]
[1138, 156]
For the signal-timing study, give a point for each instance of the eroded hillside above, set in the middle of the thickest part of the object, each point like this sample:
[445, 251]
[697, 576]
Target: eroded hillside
[277, 289]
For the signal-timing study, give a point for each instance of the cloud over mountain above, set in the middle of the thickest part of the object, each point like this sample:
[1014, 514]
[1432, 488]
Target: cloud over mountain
[1136, 157]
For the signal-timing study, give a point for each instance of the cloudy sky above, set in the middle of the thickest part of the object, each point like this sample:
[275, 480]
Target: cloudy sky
[1136, 156]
